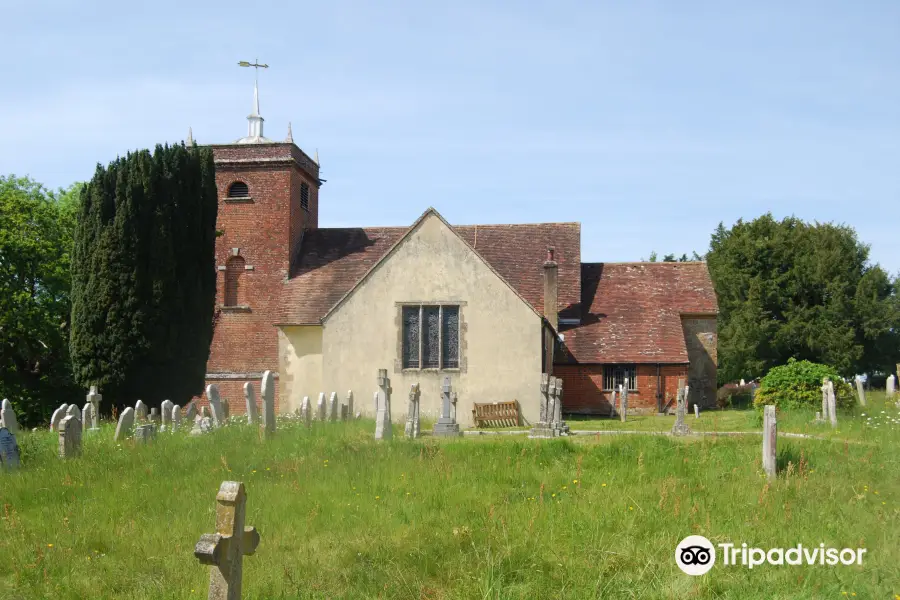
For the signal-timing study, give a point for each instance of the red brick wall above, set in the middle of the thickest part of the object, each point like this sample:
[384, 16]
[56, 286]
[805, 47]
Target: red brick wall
[583, 388]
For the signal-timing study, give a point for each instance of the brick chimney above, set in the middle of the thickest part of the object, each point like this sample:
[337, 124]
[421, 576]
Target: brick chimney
[551, 290]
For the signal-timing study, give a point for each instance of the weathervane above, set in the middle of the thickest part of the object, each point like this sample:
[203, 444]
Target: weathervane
[256, 66]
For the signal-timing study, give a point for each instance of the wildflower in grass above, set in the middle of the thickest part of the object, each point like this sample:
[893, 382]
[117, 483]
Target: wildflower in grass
[553, 495]
[574, 481]
[603, 485]
[49, 545]
[630, 508]
[378, 497]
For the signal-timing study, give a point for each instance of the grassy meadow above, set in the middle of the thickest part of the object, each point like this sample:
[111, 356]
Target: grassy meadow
[341, 516]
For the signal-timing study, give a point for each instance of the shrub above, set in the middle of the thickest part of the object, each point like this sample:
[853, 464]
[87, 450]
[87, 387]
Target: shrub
[798, 384]
[734, 395]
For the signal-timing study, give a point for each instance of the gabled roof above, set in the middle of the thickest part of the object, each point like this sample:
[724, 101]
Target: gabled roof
[333, 261]
[632, 311]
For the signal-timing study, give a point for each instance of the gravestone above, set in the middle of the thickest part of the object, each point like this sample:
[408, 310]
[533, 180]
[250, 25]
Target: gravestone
[344, 412]
[832, 405]
[94, 398]
[680, 427]
[267, 390]
[305, 413]
[333, 407]
[86, 416]
[9, 449]
[215, 405]
[204, 412]
[250, 400]
[860, 391]
[140, 412]
[349, 403]
[823, 416]
[126, 422]
[176, 417]
[8, 417]
[891, 386]
[224, 550]
[612, 403]
[559, 426]
[70, 436]
[623, 401]
[166, 415]
[412, 414]
[190, 412]
[154, 416]
[58, 416]
[551, 400]
[144, 434]
[320, 407]
[770, 441]
[383, 429]
[743, 383]
[696, 411]
[542, 428]
[375, 404]
[454, 397]
[226, 409]
[446, 426]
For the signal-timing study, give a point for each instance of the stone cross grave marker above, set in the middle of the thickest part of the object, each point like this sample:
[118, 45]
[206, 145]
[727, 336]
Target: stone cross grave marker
[86, 416]
[9, 449]
[383, 430]
[860, 391]
[320, 407]
[545, 385]
[250, 400]
[144, 434]
[680, 427]
[542, 429]
[891, 385]
[412, 413]
[623, 402]
[349, 404]
[454, 397]
[215, 405]
[375, 403]
[140, 411]
[224, 550]
[126, 422]
[333, 407]
[190, 412]
[94, 398]
[267, 389]
[166, 415]
[551, 400]
[446, 426]
[70, 436]
[8, 417]
[559, 425]
[58, 415]
[770, 441]
[305, 413]
[176, 417]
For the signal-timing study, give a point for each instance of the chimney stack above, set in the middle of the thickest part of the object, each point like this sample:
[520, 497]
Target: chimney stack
[551, 290]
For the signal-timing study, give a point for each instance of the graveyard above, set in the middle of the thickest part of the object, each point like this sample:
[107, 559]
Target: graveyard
[337, 513]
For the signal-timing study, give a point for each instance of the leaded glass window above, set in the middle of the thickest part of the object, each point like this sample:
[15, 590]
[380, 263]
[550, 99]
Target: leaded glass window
[450, 337]
[430, 337]
[615, 375]
[410, 337]
[431, 341]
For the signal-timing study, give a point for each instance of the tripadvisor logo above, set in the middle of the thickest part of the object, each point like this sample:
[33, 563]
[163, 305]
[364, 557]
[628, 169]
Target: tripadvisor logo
[696, 555]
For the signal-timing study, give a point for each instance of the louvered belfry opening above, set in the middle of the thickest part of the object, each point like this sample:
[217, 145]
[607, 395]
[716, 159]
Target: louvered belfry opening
[239, 189]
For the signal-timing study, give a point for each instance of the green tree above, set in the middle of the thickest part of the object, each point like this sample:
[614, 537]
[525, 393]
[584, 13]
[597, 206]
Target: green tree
[790, 289]
[143, 276]
[36, 228]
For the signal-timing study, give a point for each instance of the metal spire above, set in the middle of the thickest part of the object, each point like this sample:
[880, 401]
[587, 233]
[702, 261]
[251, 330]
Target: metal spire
[290, 135]
[254, 120]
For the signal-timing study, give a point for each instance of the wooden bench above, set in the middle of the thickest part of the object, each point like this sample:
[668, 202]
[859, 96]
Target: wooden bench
[496, 414]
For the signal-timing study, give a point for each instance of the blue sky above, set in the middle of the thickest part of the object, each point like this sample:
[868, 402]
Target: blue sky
[648, 122]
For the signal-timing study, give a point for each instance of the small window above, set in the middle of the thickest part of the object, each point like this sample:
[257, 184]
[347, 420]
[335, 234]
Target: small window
[239, 189]
[615, 375]
[304, 196]
[234, 269]
[430, 337]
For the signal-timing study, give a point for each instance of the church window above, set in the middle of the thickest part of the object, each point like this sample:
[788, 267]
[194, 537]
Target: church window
[234, 269]
[614, 376]
[304, 196]
[239, 189]
[430, 337]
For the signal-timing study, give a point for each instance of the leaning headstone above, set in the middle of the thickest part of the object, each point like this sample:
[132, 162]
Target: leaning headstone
[70, 436]
[349, 403]
[383, 429]
[305, 414]
[144, 434]
[680, 427]
[215, 405]
[320, 407]
[250, 401]
[411, 430]
[770, 441]
[891, 386]
[446, 426]
[8, 417]
[542, 428]
[126, 422]
[58, 416]
[333, 407]
[860, 391]
[267, 390]
[190, 412]
[176, 417]
[94, 398]
[9, 449]
[86, 416]
[166, 415]
[224, 550]
[140, 412]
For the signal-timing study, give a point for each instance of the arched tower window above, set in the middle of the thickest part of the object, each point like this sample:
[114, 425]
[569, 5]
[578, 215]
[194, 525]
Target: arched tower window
[238, 189]
[234, 268]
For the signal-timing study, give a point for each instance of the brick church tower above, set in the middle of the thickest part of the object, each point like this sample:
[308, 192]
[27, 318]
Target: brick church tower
[268, 196]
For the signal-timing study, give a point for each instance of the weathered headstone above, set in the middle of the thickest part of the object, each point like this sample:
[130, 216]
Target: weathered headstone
[446, 426]
[224, 550]
[190, 412]
[320, 407]
[226, 409]
[215, 405]
[154, 416]
[770, 441]
[383, 430]
[86, 416]
[454, 397]
[542, 428]
[126, 422]
[375, 404]
[696, 411]
[832, 405]
[144, 434]
[559, 426]
[345, 415]
[176, 417]
[623, 401]
[823, 416]
[94, 398]
[73, 411]
[860, 391]
[165, 410]
[680, 427]
[140, 412]
[612, 403]
[412, 414]
[305, 413]
[70, 436]
[333, 407]
[267, 390]
[58, 416]
[9, 449]
[891, 386]
[551, 401]
[204, 412]
[349, 404]
[250, 400]
[8, 417]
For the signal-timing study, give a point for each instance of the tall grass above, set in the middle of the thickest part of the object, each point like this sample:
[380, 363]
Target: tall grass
[343, 516]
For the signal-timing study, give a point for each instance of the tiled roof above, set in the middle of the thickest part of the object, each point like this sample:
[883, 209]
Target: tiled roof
[333, 260]
[633, 311]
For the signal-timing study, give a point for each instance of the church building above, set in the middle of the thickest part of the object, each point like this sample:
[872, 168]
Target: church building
[491, 306]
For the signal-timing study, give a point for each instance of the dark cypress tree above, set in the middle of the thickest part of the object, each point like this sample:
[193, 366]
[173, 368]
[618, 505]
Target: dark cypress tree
[143, 276]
